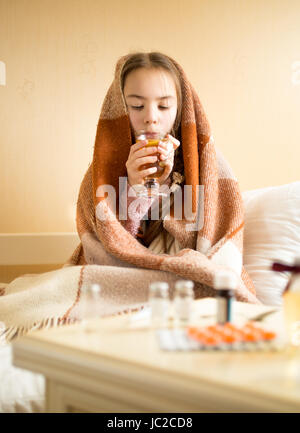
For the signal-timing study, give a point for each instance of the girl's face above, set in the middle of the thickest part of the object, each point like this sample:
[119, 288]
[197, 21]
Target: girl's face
[151, 99]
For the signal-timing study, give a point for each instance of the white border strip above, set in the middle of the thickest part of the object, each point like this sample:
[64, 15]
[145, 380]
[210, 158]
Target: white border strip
[36, 248]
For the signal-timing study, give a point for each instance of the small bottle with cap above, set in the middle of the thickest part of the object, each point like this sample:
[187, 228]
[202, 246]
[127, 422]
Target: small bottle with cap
[90, 306]
[225, 283]
[159, 303]
[183, 301]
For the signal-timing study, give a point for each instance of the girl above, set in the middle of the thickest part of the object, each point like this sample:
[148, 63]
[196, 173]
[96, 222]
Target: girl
[150, 92]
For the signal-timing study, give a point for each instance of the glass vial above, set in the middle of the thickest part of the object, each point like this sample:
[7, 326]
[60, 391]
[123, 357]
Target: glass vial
[90, 305]
[183, 301]
[225, 283]
[159, 303]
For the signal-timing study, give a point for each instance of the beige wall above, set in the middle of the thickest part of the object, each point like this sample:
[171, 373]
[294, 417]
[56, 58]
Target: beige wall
[241, 56]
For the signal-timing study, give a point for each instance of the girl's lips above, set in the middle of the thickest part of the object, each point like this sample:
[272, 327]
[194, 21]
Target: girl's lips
[151, 134]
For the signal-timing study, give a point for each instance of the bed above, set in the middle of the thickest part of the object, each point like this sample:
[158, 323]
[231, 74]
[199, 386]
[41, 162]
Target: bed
[272, 233]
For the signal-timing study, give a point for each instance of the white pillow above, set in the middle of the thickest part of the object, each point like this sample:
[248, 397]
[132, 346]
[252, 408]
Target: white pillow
[272, 232]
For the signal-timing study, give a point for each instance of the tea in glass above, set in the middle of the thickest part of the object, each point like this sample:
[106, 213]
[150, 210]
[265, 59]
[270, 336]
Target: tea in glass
[153, 140]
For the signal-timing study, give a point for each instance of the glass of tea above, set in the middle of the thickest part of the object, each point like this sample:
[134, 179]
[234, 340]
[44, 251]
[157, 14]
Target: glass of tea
[151, 185]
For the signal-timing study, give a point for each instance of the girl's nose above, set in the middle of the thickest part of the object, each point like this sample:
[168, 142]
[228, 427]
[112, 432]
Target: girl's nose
[150, 116]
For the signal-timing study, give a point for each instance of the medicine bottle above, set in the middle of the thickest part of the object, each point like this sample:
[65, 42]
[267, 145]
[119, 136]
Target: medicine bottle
[183, 301]
[159, 303]
[90, 303]
[225, 283]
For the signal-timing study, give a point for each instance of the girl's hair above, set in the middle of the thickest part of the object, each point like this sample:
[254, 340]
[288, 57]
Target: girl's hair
[159, 61]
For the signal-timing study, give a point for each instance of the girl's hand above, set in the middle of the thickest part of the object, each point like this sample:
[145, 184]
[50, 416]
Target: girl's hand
[139, 155]
[167, 148]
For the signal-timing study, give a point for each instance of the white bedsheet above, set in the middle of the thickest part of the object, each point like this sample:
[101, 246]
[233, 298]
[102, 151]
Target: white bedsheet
[20, 390]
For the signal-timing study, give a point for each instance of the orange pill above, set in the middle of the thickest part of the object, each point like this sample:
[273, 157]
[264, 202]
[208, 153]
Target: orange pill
[192, 331]
[269, 335]
[202, 336]
[196, 334]
[229, 339]
[211, 340]
[230, 333]
[252, 336]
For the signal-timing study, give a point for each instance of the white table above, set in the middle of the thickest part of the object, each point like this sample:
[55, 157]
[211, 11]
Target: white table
[118, 367]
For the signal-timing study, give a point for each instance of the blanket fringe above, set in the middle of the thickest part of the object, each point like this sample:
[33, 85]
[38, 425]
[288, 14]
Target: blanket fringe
[9, 334]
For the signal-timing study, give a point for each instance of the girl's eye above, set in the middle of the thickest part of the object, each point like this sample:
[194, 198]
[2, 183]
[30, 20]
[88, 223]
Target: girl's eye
[140, 107]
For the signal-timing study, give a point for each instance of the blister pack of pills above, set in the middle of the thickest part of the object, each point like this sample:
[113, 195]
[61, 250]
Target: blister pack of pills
[249, 337]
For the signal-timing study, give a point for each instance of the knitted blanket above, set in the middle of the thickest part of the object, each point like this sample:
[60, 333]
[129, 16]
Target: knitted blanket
[210, 239]
[37, 301]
